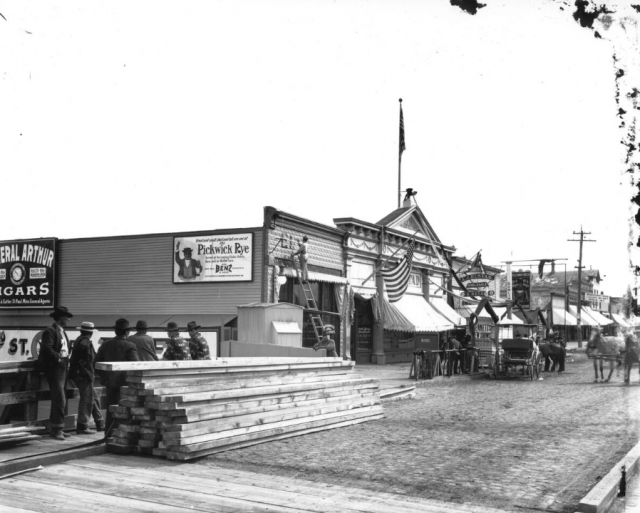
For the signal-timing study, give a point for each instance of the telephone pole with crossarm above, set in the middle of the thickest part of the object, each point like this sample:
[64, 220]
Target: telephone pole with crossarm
[579, 307]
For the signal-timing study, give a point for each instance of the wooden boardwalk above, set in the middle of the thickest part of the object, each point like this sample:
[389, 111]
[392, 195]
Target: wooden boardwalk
[114, 483]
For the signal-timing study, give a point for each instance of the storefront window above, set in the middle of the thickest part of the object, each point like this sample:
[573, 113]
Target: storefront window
[398, 341]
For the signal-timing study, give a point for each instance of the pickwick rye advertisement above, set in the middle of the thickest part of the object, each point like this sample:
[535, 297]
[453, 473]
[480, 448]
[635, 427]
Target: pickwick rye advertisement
[213, 258]
[27, 273]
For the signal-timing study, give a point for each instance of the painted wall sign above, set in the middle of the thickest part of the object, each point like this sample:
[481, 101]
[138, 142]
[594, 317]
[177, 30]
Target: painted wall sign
[213, 258]
[27, 273]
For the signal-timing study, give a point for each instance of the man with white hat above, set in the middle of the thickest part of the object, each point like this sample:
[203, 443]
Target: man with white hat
[82, 374]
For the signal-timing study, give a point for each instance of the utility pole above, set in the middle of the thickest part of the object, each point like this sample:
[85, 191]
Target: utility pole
[579, 308]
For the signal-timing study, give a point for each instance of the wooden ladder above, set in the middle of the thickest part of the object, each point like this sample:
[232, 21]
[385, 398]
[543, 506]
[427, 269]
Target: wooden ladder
[307, 293]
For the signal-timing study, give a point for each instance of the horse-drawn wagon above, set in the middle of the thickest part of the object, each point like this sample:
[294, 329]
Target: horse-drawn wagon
[518, 352]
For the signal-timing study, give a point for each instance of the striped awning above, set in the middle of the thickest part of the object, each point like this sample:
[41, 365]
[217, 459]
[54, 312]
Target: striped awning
[620, 320]
[585, 318]
[563, 318]
[597, 316]
[313, 276]
[394, 320]
[422, 315]
[447, 312]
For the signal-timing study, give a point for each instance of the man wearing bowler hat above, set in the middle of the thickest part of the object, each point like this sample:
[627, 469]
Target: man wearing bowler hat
[81, 374]
[53, 360]
[177, 347]
[145, 345]
[117, 349]
[198, 345]
[189, 269]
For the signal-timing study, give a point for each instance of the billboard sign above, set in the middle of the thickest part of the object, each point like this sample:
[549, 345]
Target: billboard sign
[213, 258]
[522, 288]
[27, 273]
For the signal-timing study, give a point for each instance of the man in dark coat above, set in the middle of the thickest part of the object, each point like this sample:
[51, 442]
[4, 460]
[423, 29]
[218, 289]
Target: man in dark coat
[177, 347]
[53, 360]
[81, 374]
[118, 349]
[145, 345]
[198, 345]
[189, 269]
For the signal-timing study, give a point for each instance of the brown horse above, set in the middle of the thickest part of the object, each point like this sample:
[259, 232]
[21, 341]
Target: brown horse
[600, 348]
[632, 354]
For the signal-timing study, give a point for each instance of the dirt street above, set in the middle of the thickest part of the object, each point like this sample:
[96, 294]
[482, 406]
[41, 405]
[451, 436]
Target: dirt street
[512, 444]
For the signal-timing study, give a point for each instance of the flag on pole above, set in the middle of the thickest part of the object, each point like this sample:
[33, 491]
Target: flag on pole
[396, 280]
[402, 145]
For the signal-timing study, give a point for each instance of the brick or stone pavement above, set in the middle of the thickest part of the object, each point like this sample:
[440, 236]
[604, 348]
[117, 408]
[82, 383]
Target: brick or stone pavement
[631, 502]
[512, 444]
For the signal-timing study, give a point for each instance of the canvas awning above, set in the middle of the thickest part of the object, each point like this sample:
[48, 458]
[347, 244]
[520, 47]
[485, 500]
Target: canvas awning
[620, 320]
[394, 320]
[447, 312]
[505, 321]
[313, 276]
[466, 310]
[585, 318]
[422, 315]
[597, 316]
[563, 318]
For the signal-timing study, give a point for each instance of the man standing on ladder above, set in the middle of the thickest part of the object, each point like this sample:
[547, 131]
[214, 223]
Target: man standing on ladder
[302, 252]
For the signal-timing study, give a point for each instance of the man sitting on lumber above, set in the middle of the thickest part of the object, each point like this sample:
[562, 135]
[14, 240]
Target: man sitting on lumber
[326, 342]
[118, 349]
[177, 347]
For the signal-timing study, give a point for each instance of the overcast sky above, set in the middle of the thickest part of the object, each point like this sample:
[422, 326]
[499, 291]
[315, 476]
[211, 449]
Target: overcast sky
[137, 117]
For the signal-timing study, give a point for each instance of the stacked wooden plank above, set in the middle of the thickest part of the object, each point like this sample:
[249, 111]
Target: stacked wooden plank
[17, 435]
[188, 409]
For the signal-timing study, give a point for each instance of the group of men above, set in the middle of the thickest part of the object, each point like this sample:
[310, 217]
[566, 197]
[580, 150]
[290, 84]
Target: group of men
[64, 363]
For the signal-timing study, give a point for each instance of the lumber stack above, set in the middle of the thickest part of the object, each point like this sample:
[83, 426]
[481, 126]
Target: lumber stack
[187, 409]
[17, 435]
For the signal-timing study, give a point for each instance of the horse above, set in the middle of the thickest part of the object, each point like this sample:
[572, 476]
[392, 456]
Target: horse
[554, 352]
[600, 348]
[632, 355]
[455, 365]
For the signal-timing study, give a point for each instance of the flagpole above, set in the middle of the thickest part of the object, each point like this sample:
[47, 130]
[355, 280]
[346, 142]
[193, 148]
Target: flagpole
[400, 150]
[375, 270]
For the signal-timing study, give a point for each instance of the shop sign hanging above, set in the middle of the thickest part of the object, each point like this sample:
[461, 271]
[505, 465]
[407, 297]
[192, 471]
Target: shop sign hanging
[27, 273]
[213, 258]
[477, 282]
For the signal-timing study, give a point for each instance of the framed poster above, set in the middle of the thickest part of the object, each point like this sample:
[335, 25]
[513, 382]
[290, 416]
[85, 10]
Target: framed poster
[27, 273]
[522, 288]
[213, 258]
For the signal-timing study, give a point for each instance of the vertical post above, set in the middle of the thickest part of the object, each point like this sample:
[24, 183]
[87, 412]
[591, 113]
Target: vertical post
[377, 356]
[509, 289]
[401, 148]
[579, 308]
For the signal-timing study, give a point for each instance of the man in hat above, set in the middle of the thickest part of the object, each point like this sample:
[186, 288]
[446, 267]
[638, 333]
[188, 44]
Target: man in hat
[145, 345]
[302, 257]
[326, 342]
[198, 345]
[177, 347]
[81, 375]
[117, 349]
[53, 360]
[189, 269]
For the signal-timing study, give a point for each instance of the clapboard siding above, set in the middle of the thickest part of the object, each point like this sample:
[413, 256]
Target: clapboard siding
[135, 274]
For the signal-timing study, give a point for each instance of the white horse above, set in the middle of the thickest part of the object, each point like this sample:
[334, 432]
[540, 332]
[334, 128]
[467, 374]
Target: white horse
[600, 348]
[631, 354]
